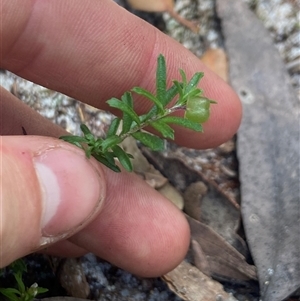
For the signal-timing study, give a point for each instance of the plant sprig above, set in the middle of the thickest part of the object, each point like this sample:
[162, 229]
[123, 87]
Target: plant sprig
[21, 292]
[188, 97]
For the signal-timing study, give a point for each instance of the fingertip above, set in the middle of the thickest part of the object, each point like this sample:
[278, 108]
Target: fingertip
[50, 190]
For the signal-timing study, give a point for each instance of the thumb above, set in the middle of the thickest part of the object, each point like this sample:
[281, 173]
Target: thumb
[48, 191]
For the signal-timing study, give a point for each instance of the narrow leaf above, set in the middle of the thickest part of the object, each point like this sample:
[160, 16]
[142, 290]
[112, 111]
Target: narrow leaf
[179, 90]
[127, 123]
[21, 285]
[193, 93]
[11, 295]
[123, 157]
[194, 81]
[113, 127]
[110, 157]
[183, 122]
[73, 139]
[183, 76]
[163, 128]
[41, 290]
[104, 161]
[171, 93]
[88, 152]
[116, 103]
[153, 142]
[127, 98]
[150, 96]
[7, 291]
[97, 143]
[87, 133]
[85, 130]
[161, 78]
[110, 141]
[150, 114]
[19, 265]
[127, 120]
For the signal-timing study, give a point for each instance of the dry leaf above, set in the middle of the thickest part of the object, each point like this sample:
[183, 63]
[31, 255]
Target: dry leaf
[153, 5]
[268, 149]
[152, 176]
[216, 60]
[200, 260]
[172, 194]
[223, 259]
[163, 6]
[191, 285]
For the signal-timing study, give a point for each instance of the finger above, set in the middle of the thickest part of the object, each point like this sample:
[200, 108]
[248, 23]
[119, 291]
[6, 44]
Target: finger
[64, 248]
[43, 196]
[17, 117]
[139, 229]
[93, 50]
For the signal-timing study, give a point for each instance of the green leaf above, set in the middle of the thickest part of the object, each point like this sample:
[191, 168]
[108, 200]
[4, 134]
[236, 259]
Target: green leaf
[150, 96]
[42, 290]
[161, 79]
[110, 157]
[127, 98]
[127, 120]
[72, 139]
[170, 94]
[104, 161]
[150, 114]
[21, 285]
[124, 107]
[88, 152]
[123, 157]
[113, 127]
[183, 122]
[194, 93]
[19, 265]
[153, 142]
[96, 144]
[9, 290]
[163, 128]
[194, 81]
[11, 293]
[183, 76]
[110, 141]
[85, 130]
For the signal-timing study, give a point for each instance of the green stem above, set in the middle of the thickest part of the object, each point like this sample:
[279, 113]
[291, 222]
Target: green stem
[149, 121]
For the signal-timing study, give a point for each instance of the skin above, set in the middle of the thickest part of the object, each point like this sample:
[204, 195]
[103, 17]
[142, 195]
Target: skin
[80, 49]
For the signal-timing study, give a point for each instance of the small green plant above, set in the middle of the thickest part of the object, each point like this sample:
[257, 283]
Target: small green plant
[21, 292]
[186, 95]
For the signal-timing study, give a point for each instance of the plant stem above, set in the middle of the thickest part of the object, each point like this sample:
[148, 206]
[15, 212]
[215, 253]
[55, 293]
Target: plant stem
[137, 128]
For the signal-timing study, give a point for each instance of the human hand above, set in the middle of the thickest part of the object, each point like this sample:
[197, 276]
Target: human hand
[52, 197]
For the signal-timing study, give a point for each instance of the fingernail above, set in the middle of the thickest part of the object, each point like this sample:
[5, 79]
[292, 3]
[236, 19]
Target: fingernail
[72, 191]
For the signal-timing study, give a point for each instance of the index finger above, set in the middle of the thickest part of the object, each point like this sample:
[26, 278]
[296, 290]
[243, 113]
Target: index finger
[94, 50]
